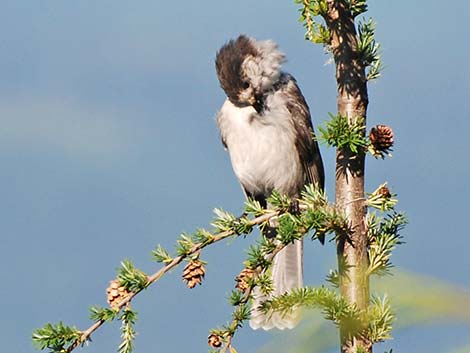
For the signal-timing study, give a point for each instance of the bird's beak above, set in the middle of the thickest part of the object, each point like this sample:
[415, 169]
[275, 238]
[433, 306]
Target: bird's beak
[258, 104]
[252, 100]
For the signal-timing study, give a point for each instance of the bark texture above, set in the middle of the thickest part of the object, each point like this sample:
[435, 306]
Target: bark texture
[352, 103]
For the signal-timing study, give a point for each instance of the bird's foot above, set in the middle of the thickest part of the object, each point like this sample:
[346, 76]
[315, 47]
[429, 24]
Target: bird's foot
[294, 207]
[269, 232]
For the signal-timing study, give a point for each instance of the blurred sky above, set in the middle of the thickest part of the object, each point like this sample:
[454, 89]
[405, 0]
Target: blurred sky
[108, 146]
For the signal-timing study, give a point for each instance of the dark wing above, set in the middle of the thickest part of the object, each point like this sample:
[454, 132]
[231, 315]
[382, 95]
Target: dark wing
[306, 143]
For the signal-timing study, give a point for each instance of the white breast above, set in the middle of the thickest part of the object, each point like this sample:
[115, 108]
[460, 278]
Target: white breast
[262, 148]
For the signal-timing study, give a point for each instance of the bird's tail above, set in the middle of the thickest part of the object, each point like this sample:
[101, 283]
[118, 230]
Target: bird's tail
[286, 275]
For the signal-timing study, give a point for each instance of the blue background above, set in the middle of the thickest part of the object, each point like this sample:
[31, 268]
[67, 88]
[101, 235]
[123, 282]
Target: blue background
[108, 146]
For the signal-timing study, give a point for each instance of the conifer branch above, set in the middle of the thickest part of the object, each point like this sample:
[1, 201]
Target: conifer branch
[373, 323]
[316, 32]
[260, 258]
[55, 337]
[382, 198]
[128, 319]
[334, 307]
[340, 133]
[380, 319]
[317, 216]
[64, 339]
[384, 235]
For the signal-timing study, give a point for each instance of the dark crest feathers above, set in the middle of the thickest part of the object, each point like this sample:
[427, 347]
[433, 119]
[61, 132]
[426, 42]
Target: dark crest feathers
[228, 64]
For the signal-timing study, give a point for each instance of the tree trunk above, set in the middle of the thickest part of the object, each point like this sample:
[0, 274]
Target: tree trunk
[352, 103]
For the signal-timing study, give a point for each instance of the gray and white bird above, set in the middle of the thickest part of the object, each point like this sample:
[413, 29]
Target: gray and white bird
[265, 125]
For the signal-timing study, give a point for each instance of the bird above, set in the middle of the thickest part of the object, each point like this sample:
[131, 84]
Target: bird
[266, 127]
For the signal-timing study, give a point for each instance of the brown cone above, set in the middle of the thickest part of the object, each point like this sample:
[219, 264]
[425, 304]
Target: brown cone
[243, 278]
[215, 341]
[384, 192]
[194, 273]
[381, 137]
[115, 293]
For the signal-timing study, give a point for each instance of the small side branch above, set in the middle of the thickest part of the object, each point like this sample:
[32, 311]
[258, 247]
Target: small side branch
[85, 335]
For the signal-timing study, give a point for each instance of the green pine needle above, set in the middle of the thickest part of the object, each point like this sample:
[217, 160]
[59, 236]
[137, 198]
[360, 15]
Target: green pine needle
[254, 208]
[333, 278]
[203, 236]
[333, 306]
[320, 217]
[384, 235]
[55, 337]
[102, 314]
[315, 32]
[368, 49]
[128, 319]
[256, 257]
[289, 229]
[339, 133]
[375, 69]
[236, 297]
[131, 278]
[241, 314]
[161, 255]
[380, 319]
[313, 196]
[357, 7]
[266, 246]
[184, 244]
[264, 283]
[279, 201]
[223, 221]
[319, 34]
[242, 225]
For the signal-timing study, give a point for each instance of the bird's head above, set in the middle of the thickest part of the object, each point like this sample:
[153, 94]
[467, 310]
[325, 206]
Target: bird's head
[247, 69]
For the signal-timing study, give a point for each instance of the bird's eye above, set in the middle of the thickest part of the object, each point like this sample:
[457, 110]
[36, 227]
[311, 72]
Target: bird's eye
[245, 85]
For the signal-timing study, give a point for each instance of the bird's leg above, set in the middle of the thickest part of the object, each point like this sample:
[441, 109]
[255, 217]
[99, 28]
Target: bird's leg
[268, 231]
[294, 207]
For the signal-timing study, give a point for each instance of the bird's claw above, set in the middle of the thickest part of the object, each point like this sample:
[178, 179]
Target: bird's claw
[294, 207]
